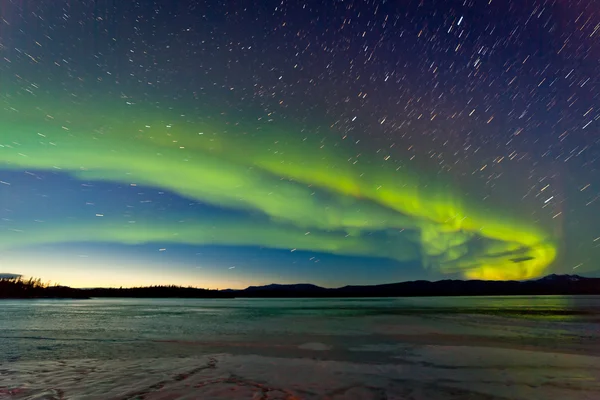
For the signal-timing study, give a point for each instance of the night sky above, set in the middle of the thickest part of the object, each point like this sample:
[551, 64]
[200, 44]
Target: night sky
[226, 144]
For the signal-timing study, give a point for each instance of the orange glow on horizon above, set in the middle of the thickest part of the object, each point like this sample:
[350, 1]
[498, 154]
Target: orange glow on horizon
[92, 273]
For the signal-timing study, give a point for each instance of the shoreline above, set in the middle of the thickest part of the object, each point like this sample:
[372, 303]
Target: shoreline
[306, 297]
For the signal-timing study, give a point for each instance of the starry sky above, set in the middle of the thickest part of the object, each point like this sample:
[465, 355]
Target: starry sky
[227, 143]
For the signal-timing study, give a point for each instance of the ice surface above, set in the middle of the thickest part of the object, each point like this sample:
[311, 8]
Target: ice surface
[434, 372]
[303, 349]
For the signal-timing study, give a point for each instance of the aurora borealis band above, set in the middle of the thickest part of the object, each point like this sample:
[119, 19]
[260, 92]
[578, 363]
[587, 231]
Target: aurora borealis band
[308, 201]
[212, 166]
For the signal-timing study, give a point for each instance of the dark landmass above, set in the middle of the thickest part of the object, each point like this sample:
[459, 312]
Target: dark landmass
[14, 287]
[549, 285]
[160, 292]
[17, 288]
[293, 288]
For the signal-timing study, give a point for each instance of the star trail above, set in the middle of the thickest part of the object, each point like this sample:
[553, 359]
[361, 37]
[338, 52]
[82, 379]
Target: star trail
[225, 144]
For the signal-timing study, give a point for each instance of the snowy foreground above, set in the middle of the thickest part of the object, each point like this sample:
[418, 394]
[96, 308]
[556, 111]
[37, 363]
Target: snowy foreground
[425, 372]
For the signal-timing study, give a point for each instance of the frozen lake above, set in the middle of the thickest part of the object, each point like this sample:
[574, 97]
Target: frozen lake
[405, 348]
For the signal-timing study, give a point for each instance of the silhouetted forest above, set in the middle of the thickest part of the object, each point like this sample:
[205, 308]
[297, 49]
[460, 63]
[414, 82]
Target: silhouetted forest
[17, 288]
[158, 292]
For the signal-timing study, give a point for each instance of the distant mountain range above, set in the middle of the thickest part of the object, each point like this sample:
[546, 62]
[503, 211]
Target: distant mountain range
[14, 287]
[548, 285]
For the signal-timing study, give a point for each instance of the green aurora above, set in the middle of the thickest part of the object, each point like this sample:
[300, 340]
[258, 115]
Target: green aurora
[306, 194]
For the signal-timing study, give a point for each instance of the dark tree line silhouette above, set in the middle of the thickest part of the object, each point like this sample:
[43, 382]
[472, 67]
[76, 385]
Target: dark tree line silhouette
[171, 291]
[18, 288]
